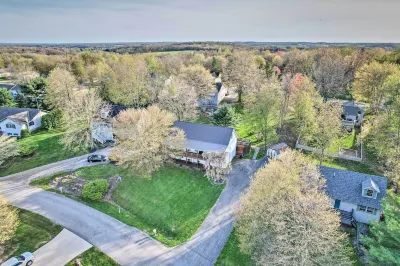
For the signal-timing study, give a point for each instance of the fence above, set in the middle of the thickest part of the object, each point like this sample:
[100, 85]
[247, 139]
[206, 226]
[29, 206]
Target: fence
[339, 155]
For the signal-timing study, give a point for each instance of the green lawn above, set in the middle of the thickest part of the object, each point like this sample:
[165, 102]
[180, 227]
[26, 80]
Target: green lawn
[93, 257]
[231, 255]
[344, 164]
[50, 150]
[33, 232]
[174, 201]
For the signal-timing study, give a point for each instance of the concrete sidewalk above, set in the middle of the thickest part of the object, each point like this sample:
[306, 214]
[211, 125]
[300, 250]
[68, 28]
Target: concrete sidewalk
[61, 249]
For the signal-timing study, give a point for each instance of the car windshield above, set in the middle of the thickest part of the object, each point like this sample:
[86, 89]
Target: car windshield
[20, 258]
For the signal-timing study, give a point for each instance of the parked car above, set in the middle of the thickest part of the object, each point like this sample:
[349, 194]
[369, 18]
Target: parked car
[21, 260]
[96, 158]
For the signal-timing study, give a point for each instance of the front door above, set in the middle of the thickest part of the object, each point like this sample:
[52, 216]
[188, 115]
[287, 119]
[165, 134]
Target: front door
[337, 204]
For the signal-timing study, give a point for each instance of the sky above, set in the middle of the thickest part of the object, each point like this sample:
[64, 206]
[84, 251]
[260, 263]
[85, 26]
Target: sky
[91, 21]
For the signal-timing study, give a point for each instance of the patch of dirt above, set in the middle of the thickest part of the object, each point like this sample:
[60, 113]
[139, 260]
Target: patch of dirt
[70, 184]
[73, 184]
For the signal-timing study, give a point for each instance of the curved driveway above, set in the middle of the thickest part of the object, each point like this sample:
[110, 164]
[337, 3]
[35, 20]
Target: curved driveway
[125, 244]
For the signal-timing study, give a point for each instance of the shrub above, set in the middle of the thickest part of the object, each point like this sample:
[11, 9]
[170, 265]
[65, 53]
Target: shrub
[95, 190]
[53, 120]
[25, 133]
[28, 148]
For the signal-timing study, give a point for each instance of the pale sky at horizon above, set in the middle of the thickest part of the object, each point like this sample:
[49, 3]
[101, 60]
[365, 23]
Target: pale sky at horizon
[71, 21]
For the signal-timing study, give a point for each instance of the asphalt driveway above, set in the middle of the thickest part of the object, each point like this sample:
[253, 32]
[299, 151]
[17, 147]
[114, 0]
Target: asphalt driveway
[125, 244]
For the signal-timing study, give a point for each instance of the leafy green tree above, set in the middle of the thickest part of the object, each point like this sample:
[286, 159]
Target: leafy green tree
[263, 107]
[225, 116]
[6, 98]
[78, 67]
[382, 245]
[328, 128]
[53, 120]
[285, 218]
[34, 93]
[369, 82]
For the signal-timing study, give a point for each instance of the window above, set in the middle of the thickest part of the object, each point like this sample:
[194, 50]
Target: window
[10, 125]
[361, 208]
[371, 210]
[369, 193]
[9, 134]
[32, 123]
[15, 134]
[366, 209]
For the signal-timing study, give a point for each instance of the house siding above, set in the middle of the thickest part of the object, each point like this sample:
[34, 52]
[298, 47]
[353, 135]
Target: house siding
[359, 216]
[37, 121]
[13, 131]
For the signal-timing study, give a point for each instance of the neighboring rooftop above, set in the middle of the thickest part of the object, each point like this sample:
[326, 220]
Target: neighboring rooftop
[205, 137]
[9, 86]
[17, 114]
[347, 186]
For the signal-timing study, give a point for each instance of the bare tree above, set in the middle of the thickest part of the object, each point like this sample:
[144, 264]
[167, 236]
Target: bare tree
[217, 167]
[8, 148]
[329, 72]
[60, 87]
[146, 138]
[285, 218]
[199, 78]
[79, 116]
[8, 220]
[179, 98]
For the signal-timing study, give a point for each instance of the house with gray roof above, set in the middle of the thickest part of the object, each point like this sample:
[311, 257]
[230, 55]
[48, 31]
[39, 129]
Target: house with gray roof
[14, 89]
[357, 196]
[215, 97]
[353, 114]
[202, 138]
[13, 120]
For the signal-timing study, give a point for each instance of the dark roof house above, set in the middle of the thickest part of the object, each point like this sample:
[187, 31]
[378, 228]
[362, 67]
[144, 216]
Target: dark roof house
[18, 115]
[205, 137]
[348, 186]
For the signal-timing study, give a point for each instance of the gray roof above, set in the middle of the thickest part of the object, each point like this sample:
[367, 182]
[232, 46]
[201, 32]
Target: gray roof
[205, 137]
[347, 186]
[13, 111]
[10, 86]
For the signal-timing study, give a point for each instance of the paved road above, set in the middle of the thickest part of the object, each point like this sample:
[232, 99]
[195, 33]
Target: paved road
[61, 249]
[125, 244]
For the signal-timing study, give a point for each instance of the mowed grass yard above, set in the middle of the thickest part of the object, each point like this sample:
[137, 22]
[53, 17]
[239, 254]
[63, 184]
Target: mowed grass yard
[33, 232]
[92, 257]
[50, 150]
[174, 201]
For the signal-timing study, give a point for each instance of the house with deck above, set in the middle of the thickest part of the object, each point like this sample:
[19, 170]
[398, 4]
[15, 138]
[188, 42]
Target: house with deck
[13, 120]
[355, 195]
[201, 138]
[353, 114]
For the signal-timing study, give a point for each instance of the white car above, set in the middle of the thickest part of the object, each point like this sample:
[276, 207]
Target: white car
[21, 260]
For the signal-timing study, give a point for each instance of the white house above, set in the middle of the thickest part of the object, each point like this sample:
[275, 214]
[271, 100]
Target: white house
[202, 138]
[353, 114]
[102, 130]
[13, 120]
[215, 97]
[357, 196]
